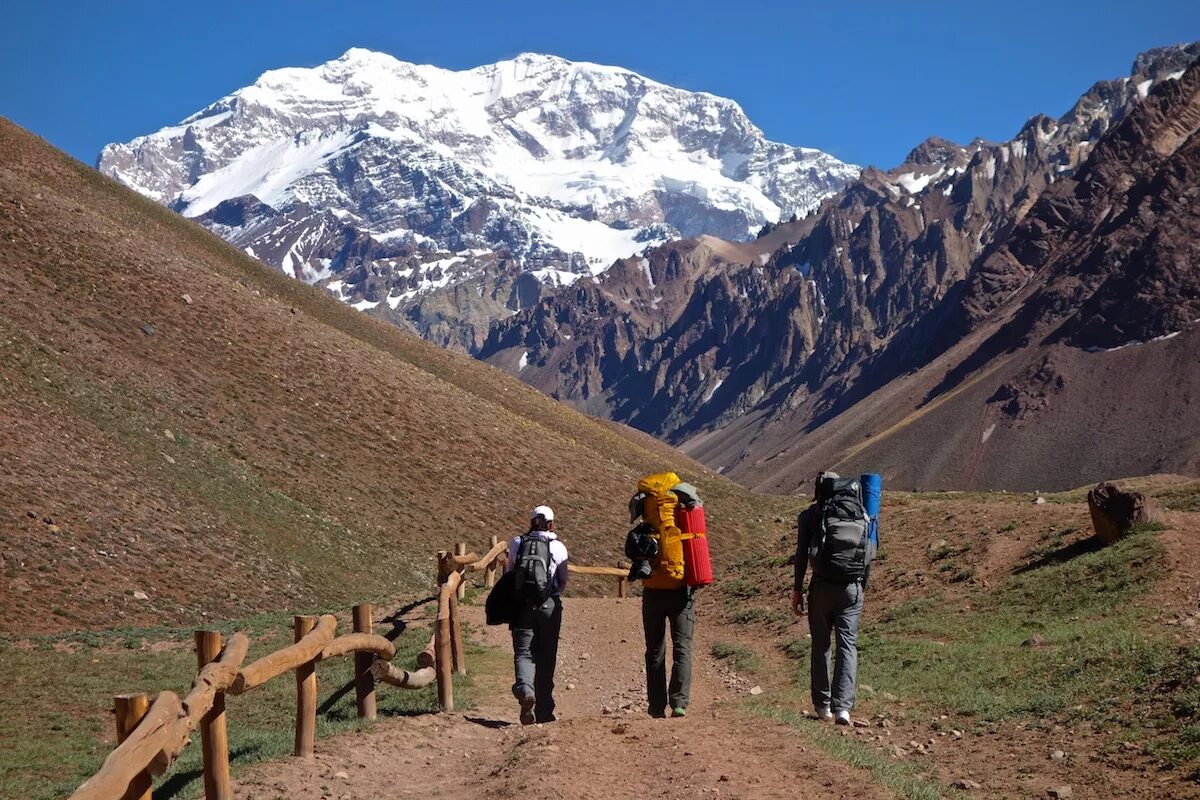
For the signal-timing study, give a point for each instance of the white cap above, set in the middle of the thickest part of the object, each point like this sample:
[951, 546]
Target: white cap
[543, 511]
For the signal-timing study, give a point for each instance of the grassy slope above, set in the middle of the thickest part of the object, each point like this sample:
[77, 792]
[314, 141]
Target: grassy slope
[964, 581]
[263, 448]
[315, 456]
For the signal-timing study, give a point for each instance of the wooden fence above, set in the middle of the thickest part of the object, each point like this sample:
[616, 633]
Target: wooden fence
[152, 734]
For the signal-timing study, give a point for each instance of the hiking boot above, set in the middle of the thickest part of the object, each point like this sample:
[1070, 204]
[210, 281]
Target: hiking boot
[546, 718]
[657, 713]
[527, 700]
[823, 713]
[842, 717]
[678, 711]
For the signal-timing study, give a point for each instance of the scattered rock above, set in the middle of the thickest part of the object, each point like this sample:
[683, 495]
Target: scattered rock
[167, 433]
[570, 686]
[1037, 640]
[186, 298]
[1040, 501]
[140, 595]
[861, 723]
[1115, 513]
[168, 458]
[620, 729]
[1057, 755]
[31, 514]
[147, 328]
[756, 690]
[1059, 792]
[965, 783]
[342, 775]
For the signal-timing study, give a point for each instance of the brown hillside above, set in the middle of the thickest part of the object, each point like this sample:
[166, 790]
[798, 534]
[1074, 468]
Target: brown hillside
[256, 444]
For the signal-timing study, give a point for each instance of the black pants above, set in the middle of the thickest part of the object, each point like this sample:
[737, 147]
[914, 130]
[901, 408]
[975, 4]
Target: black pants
[535, 653]
[676, 608]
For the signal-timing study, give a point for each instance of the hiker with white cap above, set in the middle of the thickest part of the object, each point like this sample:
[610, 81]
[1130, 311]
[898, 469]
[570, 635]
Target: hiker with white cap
[538, 561]
[834, 536]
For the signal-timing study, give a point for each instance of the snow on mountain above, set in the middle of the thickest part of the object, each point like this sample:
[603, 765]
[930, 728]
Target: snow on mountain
[556, 165]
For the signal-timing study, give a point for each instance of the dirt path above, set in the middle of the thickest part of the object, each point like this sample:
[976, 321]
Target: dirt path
[603, 746]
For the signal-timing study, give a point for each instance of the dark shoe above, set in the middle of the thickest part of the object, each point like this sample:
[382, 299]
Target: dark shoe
[658, 713]
[546, 718]
[527, 700]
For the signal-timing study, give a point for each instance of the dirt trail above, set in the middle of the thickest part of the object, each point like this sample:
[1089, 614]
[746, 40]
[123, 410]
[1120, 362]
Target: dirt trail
[603, 746]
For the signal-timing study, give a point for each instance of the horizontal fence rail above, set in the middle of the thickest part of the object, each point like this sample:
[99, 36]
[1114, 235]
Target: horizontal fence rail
[153, 731]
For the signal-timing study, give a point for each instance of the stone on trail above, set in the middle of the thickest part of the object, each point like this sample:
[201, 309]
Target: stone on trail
[1037, 640]
[1115, 513]
[147, 328]
[140, 595]
[1057, 755]
[965, 783]
[343, 775]
[1059, 792]
[186, 298]
[756, 690]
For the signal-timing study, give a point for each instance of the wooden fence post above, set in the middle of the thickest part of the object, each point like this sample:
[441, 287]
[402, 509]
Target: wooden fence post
[364, 682]
[443, 568]
[130, 708]
[457, 654]
[443, 664]
[214, 736]
[489, 574]
[460, 549]
[622, 583]
[306, 693]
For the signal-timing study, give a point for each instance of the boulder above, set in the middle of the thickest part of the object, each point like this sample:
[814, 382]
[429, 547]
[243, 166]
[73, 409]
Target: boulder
[1115, 513]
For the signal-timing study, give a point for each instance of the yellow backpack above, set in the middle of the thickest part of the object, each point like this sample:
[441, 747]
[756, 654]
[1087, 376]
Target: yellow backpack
[658, 510]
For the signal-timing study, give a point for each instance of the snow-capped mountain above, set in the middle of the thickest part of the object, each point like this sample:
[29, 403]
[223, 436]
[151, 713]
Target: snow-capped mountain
[367, 169]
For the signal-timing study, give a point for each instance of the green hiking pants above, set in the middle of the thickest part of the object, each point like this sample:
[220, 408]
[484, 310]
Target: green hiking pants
[662, 608]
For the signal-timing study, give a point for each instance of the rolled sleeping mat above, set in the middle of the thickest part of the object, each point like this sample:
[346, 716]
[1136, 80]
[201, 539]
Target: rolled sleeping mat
[872, 488]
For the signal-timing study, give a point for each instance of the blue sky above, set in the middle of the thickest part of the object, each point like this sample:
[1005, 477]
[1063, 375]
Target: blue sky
[863, 80]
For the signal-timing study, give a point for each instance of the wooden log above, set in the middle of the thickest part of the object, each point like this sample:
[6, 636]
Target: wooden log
[287, 659]
[582, 570]
[623, 581]
[489, 572]
[460, 549]
[391, 674]
[427, 657]
[368, 644]
[130, 710]
[364, 683]
[214, 735]
[443, 568]
[162, 725]
[306, 692]
[444, 665]
[457, 655]
[164, 731]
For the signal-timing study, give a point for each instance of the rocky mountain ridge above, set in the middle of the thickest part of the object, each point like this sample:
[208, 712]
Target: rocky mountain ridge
[892, 272]
[375, 174]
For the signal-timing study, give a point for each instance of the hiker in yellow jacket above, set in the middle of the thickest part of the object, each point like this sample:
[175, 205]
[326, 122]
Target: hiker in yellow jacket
[666, 602]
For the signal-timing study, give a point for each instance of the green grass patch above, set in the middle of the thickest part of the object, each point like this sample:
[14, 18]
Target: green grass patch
[738, 656]
[1096, 654]
[67, 733]
[901, 777]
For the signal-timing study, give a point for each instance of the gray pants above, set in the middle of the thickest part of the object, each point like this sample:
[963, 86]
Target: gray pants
[833, 610]
[535, 653]
[676, 608]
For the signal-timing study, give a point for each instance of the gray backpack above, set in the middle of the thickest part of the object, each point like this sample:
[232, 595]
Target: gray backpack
[841, 548]
[532, 580]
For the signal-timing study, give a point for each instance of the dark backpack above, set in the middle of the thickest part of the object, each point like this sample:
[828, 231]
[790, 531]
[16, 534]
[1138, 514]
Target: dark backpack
[532, 580]
[841, 548]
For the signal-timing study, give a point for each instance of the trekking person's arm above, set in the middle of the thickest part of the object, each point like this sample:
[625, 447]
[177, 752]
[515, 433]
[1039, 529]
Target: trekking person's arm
[801, 561]
[561, 570]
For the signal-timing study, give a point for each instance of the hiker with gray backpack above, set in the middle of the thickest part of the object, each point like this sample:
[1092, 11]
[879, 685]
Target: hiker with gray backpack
[838, 535]
[537, 570]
